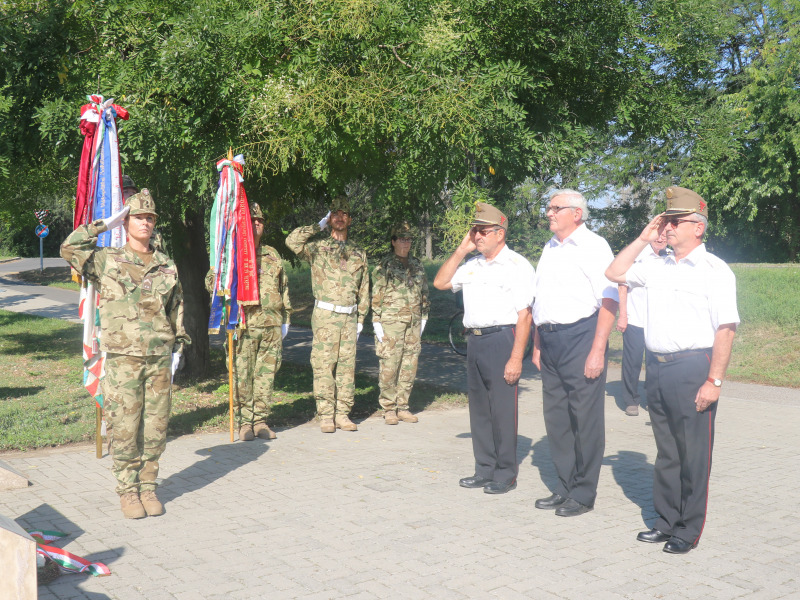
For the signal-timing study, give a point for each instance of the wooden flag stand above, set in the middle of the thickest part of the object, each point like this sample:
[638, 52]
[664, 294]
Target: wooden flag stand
[98, 433]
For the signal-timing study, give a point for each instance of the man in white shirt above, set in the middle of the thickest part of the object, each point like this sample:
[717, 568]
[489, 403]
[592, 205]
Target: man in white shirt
[498, 290]
[632, 310]
[691, 322]
[573, 313]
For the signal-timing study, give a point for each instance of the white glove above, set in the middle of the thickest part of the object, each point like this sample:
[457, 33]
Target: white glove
[359, 327]
[378, 331]
[422, 326]
[324, 223]
[284, 330]
[117, 218]
[176, 361]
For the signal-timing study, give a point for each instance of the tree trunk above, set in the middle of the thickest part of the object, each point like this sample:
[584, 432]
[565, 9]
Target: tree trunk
[191, 258]
[426, 227]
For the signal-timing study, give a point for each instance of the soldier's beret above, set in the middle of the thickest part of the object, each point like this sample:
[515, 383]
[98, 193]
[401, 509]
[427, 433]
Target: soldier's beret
[486, 214]
[142, 204]
[681, 201]
[127, 182]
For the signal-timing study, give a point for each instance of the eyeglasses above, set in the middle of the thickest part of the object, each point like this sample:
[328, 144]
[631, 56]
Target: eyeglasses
[485, 232]
[676, 222]
[555, 209]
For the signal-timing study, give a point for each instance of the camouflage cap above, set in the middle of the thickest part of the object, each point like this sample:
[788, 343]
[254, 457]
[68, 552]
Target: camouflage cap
[127, 182]
[142, 204]
[255, 211]
[402, 230]
[486, 214]
[340, 203]
[681, 201]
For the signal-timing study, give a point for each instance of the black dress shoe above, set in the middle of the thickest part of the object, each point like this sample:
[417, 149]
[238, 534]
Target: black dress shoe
[654, 536]
[676, 545]
[553, 501]
[495, 487]
[473, 482]
[572, 508]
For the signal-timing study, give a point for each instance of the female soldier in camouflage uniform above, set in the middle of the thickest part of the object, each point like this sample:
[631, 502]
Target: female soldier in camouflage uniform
[400, 308]
[141, 321]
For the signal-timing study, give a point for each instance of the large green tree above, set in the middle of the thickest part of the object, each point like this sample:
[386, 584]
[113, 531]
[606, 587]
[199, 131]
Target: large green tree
[416, 107]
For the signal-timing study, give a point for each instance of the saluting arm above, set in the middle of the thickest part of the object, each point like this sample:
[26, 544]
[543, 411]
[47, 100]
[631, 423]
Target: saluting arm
[297, 241]
[444, 277]
[618, 268]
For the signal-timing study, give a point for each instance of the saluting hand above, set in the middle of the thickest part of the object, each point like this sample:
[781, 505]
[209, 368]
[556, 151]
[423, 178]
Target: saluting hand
[467, 245]
[653, 229]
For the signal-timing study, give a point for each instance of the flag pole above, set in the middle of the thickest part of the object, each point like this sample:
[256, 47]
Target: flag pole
[98, 436]
[230, 352]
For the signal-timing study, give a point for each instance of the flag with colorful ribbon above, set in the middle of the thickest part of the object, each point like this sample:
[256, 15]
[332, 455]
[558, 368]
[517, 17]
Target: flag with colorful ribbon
[232, 251]
[67, 561]
[99, 195]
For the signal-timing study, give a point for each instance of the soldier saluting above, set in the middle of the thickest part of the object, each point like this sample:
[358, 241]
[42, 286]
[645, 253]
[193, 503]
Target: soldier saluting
[142, 335]
[340, 284]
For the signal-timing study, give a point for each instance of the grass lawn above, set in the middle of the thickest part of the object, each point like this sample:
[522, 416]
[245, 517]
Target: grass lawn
[43, 402]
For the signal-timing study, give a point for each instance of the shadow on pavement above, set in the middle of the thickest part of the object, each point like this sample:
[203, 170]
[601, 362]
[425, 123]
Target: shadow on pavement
[216, 463]
[634, 476]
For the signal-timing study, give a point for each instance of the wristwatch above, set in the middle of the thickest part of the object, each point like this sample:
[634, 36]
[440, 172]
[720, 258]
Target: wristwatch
[716, 382]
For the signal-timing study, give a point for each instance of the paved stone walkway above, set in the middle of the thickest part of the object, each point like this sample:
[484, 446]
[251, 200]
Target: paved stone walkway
[379, 514]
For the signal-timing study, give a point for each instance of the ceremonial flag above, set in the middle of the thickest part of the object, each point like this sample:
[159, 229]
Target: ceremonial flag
[99, 195]
[232, 251]
[67, 561]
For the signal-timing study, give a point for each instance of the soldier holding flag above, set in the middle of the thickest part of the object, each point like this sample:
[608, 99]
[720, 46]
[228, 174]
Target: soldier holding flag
[141, 313]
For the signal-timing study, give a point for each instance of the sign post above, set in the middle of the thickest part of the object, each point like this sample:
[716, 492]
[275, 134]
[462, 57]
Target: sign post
[41, 233]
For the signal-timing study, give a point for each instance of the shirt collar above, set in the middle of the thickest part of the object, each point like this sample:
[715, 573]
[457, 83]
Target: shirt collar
[694, 257]
[575, 238]
[502, 257]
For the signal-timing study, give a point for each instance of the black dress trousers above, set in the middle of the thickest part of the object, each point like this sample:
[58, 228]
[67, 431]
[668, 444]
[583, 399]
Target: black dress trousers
[574, 410]
[492, 406]
[632, 351]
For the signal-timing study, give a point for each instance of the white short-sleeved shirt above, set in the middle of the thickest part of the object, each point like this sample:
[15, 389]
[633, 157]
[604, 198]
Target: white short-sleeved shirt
[495, 290]
[570, 278]
[687, 300]
[637, 297]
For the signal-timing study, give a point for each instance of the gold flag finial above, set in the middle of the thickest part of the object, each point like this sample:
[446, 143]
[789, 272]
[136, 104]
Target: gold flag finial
[230, 153]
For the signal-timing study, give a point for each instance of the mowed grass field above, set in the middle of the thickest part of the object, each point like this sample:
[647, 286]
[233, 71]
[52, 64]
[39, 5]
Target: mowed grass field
[43, 402]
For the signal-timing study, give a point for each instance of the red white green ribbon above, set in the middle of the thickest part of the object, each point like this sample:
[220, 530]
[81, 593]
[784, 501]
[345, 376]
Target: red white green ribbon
[68, 562]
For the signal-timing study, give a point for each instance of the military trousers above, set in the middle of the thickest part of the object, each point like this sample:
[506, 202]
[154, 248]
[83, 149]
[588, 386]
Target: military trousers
[137, 393]
[632, 351]
[398, 354]
[333, 359]
[684, 444]
[258, 357]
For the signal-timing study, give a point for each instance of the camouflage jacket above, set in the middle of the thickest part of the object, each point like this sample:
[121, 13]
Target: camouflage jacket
[399, 293]
[338, 269]
[273, 288]
[141, 308]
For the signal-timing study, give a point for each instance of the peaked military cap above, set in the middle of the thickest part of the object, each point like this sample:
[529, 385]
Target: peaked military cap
[486, 214]
[255, 211]
[402, 230]
[681, 201]
[340, 203]
[142, 204]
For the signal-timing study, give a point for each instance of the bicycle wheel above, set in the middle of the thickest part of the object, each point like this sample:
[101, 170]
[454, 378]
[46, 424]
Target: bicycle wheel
[458, 341]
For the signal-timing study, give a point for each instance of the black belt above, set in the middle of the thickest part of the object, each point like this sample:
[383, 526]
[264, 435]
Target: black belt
[486, 330]
[666, 357]
[560, 326]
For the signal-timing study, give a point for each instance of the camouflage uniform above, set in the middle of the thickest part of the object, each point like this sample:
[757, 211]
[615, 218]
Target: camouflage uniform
[141, 320]
[339, 277]
[259, 345]
[399, 303]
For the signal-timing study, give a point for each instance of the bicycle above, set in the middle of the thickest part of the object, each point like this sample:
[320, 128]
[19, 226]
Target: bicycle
[457, 334]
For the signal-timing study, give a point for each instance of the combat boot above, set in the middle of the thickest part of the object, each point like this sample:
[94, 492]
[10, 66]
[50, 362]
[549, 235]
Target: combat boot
[246, 433]
[406, 416]
[326, 425]
[344, 423]
[262, 430]
[390, 417]
[151, 503]
[131, 506]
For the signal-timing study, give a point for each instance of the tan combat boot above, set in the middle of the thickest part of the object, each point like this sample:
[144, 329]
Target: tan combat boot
[131, 506]
[151, 503]
[246, 433]
[344, 423]
[406, 416]
[390, 417]
[262, 430]
[326, 425]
